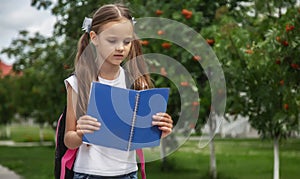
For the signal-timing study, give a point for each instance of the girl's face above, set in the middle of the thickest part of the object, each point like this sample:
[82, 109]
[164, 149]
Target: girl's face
[114, 41]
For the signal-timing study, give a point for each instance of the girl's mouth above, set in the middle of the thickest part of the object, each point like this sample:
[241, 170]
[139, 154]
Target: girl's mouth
[118, 55]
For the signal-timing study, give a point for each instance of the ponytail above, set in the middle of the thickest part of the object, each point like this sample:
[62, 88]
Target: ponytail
[81, 45]
[137, 67]
[86, 70]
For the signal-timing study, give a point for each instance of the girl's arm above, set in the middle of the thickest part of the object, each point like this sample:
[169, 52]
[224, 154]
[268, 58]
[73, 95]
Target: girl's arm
[164, 122]
[76, 128]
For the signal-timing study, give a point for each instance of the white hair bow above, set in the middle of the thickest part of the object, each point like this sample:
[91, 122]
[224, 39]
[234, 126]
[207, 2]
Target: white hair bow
[133, 20]
[87, 24]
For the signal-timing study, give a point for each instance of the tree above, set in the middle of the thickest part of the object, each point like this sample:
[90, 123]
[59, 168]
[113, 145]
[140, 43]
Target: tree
[276, 112]
[7, 109]
[260, 57]
[39, 88]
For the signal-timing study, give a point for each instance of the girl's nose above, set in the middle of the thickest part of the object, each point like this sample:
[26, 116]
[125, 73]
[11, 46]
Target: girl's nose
[120, 47]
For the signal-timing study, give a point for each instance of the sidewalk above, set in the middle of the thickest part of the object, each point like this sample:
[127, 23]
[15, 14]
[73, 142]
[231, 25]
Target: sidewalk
[8, 174]
[24, 144]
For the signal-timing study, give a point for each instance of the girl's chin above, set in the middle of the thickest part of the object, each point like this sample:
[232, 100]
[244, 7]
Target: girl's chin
[116, 62]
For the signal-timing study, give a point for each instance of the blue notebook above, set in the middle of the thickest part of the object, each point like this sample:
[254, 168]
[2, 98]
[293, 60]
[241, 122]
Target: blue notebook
[125, 116]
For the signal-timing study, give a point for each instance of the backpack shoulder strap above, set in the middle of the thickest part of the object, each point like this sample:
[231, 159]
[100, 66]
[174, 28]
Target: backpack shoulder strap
[67, 161]
[62, 117]
[64, 157]
[140, 154]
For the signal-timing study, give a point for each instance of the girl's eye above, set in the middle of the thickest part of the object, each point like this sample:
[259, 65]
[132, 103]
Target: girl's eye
[126, 42]
[111, 41]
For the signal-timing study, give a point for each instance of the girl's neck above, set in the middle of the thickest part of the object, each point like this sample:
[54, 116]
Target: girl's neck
[109, 73]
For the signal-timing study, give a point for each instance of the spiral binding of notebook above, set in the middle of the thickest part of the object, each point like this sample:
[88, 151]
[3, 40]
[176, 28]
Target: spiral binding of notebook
[133, 120]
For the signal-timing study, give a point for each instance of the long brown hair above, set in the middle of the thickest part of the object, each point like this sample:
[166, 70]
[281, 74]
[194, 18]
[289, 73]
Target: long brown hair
[86, 64]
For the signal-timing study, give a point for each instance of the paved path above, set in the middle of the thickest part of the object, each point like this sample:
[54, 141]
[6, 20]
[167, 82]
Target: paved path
[24, 144]
[8, 174]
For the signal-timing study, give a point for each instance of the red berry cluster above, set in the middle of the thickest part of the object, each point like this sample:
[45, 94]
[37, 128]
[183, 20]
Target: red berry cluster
[289, 27]
[211, 42]
[188, 14]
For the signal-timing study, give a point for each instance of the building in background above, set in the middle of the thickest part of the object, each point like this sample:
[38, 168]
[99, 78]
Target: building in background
[5, 69]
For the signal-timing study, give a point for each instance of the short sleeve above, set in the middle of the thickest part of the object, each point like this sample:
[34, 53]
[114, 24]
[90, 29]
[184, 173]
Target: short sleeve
[72, 81]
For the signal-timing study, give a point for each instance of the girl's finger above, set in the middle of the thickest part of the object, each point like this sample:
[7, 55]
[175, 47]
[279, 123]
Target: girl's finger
[162, 124]
[87, 120]
[87, 127]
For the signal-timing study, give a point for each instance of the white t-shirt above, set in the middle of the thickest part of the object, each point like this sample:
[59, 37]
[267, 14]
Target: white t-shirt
[98, 160]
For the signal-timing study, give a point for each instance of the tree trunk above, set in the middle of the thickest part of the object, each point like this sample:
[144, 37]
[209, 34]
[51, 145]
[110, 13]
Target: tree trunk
[7, 130]
[163, 155]
[213, 164]
[276, 158]
[41, 133]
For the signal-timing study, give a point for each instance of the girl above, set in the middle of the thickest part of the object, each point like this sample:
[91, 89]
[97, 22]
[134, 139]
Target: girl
[109, 40]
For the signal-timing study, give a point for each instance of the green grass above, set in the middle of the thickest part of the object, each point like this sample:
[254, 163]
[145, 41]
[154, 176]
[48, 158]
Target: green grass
[23, 133]
[236, 159]
[29, 162]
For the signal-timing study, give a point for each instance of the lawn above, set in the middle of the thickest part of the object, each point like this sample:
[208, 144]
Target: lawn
[236, 159]
[24, 133]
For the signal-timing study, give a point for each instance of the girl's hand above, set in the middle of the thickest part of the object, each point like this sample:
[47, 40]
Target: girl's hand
[87, 124]
[164, 122]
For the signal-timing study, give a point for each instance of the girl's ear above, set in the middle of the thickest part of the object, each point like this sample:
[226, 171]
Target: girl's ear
[94, 38]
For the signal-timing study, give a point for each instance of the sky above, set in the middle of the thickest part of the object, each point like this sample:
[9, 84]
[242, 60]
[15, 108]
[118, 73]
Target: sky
[16, 15]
